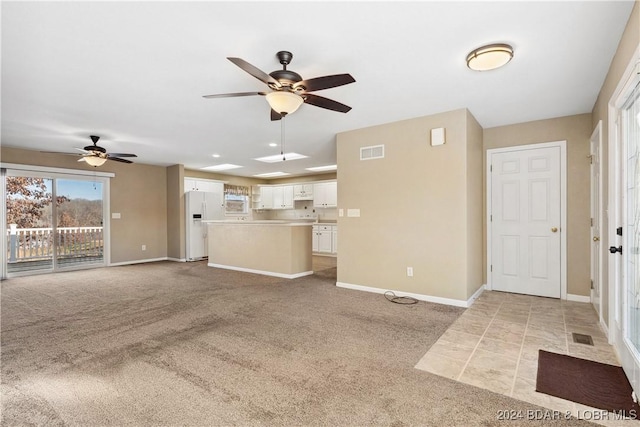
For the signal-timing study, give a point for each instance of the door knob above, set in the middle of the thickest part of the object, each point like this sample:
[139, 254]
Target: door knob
[596, 239]
[554, 229]
[613, 249]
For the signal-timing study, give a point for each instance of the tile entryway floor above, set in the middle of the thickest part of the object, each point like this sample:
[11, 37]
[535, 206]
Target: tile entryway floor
[494, 345]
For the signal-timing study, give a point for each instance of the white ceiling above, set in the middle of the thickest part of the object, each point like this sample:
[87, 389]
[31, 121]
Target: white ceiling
[135, 72]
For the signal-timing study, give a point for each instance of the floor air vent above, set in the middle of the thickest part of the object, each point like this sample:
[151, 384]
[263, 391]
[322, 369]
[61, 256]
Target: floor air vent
[582, 338]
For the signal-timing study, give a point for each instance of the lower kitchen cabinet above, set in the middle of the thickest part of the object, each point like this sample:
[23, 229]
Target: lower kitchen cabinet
[324, 239]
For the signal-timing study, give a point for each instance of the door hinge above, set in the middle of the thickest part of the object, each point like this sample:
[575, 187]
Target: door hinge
[491, 268]
[490, 168]
[592, 284]
[592, 222]
[490, 218]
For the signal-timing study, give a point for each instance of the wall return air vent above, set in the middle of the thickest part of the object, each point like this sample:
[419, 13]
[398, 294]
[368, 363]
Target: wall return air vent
[372, 152]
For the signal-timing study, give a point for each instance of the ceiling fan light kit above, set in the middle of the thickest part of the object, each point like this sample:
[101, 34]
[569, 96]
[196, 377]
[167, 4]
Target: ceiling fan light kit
[95, 160]
[489, 57]
[290, 90]
[284, 102]
[95, 155]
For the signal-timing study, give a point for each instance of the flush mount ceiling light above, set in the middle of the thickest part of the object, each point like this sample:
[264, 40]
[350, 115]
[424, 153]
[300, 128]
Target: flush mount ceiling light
[222, 167]
[272, 174]
[323, 168]
[489, 57]
[279, 158]
[283, 102]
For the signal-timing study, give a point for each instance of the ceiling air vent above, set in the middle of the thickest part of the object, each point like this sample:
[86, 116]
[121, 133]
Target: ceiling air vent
[373, 152]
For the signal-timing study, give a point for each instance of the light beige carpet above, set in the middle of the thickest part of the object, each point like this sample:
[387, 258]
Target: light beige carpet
[185, 344]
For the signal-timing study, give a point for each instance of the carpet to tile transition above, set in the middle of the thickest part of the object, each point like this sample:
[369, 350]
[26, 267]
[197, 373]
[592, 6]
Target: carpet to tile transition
[590, 383]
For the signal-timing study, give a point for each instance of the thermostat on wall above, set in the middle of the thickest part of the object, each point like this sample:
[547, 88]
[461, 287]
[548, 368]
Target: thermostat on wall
[437, 136]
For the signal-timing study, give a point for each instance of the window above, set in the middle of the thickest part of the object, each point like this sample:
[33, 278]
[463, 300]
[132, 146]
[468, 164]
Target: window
[236, 200]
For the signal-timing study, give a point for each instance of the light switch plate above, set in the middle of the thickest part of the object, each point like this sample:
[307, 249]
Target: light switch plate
[115, 215]
[353, 212]
[340, 212]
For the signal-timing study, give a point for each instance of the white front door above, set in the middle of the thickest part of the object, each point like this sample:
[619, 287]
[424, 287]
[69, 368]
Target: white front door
[525, 220]
[625, 227]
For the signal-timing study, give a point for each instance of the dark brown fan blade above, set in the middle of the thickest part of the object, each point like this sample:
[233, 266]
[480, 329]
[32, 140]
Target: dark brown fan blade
[118, 159]
[255, 71]
[325, 82]
[60, 152]
[322, 102]
[275, 116]
[120, 155]
[230, 95]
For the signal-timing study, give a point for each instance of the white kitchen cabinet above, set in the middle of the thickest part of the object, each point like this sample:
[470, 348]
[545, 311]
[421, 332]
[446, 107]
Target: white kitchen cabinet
[325, 194]
[209, 186]
[303, 192]
[266, 198]
[282, 197]
[322, 238]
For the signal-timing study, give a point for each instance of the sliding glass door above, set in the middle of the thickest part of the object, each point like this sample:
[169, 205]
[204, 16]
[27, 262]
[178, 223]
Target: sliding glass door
[79, 223]
[29, 220]
[53, 222]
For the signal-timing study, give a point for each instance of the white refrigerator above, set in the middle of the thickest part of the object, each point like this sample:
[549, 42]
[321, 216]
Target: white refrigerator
[200, 206]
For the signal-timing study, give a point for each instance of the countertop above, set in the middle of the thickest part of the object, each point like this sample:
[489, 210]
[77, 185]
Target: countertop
[277, 222]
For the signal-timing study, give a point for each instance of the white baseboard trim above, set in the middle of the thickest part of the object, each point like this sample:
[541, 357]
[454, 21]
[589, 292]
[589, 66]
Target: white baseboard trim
[578, 298]
[266, 273]
[475, 295]
[138, 261]
[428, 298]
[176, 259]
[605, 329]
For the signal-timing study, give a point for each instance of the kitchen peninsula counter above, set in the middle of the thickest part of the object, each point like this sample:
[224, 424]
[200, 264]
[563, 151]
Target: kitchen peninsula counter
[270, 247]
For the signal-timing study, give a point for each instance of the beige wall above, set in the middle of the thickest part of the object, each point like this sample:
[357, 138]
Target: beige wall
[413, 206]
[475, 205]
[138, 193]
[304, 178]
[576, 130]
[626, 48]
[175, 213]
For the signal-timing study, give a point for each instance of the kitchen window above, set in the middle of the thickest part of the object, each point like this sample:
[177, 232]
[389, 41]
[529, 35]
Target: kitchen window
[236, 200]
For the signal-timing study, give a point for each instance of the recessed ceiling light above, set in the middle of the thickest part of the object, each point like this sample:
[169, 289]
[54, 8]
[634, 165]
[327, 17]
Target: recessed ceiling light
[222, 167]
[216, 155]
[273, 144]
[489, 57]
[323, 168]
[278, 157]
[272, 174]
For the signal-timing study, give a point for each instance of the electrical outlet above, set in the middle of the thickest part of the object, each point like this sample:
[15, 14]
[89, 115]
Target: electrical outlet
[144, 247]
[410, 271]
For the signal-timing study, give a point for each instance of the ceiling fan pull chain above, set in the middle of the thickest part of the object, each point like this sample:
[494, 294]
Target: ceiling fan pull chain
[282, 138]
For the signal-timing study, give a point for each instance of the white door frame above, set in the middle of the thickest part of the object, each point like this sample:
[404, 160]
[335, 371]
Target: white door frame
[563, 207]
[615, 216]
[596, 139]
[53, 172]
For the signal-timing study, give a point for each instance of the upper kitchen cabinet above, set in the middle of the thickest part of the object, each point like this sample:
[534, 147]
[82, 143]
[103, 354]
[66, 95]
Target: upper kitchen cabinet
[303, 192]
[325, 194]
[282, 197]
[266, 198]
[194, 184]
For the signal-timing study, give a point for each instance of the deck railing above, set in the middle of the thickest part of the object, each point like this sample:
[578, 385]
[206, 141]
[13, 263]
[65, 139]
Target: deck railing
[29, 244]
